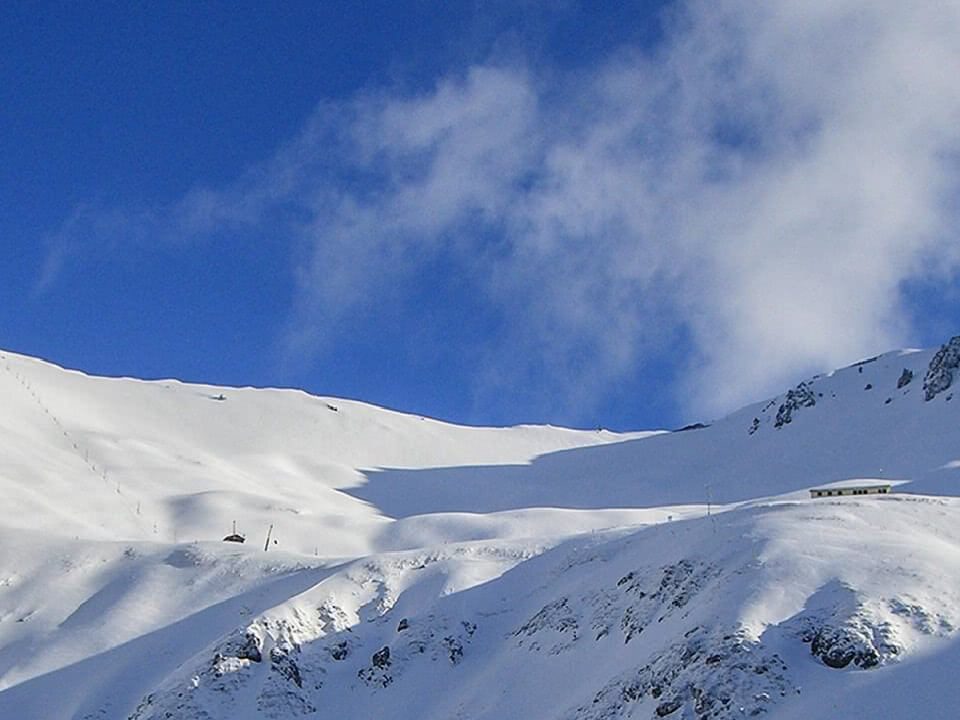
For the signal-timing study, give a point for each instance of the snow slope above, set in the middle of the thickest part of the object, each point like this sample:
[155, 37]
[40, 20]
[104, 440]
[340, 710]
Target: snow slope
[169, 461]
[453, 572]
[713, 617]
[859, 425]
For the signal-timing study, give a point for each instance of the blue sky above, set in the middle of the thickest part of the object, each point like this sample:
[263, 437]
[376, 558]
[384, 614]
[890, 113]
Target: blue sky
[618, 214]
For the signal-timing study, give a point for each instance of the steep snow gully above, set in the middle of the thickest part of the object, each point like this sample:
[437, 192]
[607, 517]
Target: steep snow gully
[426, 570]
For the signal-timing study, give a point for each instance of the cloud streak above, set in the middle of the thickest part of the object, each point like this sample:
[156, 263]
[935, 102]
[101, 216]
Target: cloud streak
[762, 184]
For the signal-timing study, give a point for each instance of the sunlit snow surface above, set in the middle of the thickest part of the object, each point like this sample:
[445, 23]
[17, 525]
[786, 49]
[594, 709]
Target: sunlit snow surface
[428, 570]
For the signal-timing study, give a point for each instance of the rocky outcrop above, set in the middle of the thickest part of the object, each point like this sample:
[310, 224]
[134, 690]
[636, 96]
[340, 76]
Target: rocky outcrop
[454, 643]
[378, 671]
[713, 675]
[639, 599]
[838, 647]
[249, 648]
[939, 375]
[800, 397]
[283, 694]
[844, 630]
[678, 583]
[554, 628]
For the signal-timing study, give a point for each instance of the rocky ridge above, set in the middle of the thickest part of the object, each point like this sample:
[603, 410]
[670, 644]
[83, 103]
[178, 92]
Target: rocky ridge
[938, 376]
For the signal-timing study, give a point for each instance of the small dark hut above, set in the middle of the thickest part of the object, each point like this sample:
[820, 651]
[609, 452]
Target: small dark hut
[234, 536]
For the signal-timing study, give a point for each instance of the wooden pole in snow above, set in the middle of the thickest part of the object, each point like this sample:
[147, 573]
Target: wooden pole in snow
[266, 545]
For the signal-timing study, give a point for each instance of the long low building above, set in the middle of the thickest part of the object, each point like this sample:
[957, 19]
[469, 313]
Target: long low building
[878, 489]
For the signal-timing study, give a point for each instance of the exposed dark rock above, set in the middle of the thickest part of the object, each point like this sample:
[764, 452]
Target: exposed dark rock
[339, 650]
[734, 678]
[250, 648]
[454, 649]
[282, 663]
[801, 396]
[403, 625]
[905, 377]
[381, 658]
[678, 583]
[377, 674]
[556, 618]
[837, 648]
[668, 707]
[939, 375]
[857, 641]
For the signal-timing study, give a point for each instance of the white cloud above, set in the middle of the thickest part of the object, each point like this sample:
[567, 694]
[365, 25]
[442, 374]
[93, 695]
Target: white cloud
[765, 184]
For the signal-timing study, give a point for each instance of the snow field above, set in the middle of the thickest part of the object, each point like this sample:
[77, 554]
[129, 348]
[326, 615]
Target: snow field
[443, 571]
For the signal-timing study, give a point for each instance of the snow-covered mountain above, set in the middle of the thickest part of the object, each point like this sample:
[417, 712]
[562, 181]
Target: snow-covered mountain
[418, 569]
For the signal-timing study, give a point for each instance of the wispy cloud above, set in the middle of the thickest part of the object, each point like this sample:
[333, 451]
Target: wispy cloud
[764, 183]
